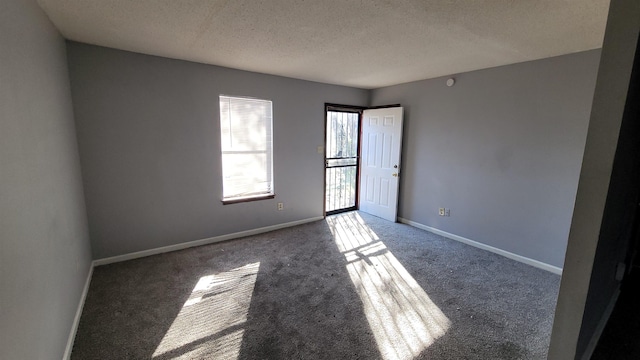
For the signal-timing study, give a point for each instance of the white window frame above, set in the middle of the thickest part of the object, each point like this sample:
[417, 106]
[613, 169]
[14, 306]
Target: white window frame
[239, 182]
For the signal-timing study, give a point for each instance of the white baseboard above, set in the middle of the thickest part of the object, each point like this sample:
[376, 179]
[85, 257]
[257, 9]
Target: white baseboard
[200, 242]
[215, 239]
[164, 249]
[512, 256]
[591, 347]
[76, 319]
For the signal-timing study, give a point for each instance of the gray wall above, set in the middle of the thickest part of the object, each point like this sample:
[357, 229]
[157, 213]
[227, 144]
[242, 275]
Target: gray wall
[585, 275]
[502, 148]
[149, 138]
[44, 246]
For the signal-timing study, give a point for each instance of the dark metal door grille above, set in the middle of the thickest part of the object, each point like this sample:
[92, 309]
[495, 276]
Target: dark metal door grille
[341, 165]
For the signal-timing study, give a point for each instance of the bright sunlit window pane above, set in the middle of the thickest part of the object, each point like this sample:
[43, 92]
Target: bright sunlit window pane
[246, 143]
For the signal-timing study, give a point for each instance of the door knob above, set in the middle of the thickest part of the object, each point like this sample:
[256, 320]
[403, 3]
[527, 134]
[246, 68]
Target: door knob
[394, 174]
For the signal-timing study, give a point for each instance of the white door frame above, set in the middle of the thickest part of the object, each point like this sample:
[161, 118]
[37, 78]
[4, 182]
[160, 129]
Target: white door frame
[381, 139]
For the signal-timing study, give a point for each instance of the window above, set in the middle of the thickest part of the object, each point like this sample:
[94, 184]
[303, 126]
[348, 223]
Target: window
[247, 148]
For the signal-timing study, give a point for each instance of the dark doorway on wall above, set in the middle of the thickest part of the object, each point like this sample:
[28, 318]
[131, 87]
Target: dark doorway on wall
[619, 339]
[342, 160]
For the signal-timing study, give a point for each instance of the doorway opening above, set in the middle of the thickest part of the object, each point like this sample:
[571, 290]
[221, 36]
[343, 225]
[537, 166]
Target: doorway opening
[342, 145]
[362, 159]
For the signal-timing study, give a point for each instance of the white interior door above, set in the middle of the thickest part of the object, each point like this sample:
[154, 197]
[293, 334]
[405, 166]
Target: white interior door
[380, 163]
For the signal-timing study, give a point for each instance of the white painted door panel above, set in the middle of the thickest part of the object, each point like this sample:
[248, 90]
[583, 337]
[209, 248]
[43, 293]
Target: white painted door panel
[380, 163]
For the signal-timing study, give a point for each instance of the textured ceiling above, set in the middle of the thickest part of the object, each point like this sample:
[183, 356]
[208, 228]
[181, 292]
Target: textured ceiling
[361, 43]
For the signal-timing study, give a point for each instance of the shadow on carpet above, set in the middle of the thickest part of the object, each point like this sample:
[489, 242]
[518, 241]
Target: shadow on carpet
[352, 286]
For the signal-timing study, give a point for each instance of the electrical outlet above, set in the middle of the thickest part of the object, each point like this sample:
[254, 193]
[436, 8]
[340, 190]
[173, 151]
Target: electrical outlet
[441, 211]
[447, 212]
[280, 206]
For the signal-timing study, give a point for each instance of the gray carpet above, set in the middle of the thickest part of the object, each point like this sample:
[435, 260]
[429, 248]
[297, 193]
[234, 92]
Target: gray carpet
[351, 287]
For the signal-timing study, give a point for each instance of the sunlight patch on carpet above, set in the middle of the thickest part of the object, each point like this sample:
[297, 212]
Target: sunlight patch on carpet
[210, 323]
[401, 315]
